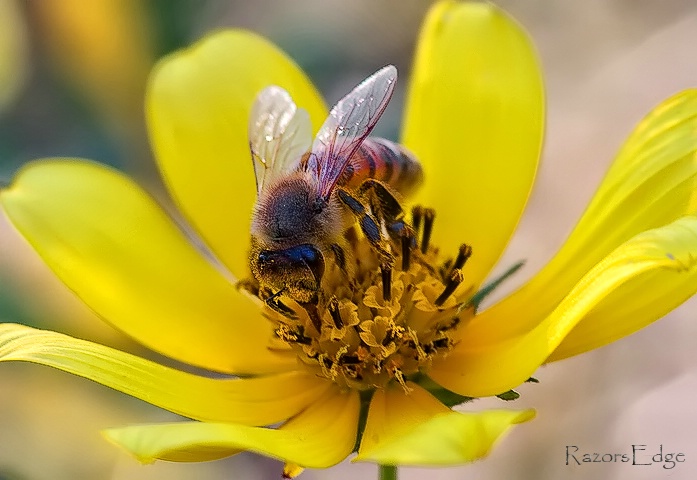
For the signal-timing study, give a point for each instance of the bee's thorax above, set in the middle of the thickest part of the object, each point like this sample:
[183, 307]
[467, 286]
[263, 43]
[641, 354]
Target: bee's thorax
[291, 212]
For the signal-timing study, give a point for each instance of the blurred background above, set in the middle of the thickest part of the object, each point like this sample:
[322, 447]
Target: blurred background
[72, 76]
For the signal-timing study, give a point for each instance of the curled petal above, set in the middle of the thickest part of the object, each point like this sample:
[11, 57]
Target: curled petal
[416, 429]
[319, 437]
[659, 265]
[110, 243]
[475, 119]
[652, 182]
[198, 105]
[643, 299]
[253, 401]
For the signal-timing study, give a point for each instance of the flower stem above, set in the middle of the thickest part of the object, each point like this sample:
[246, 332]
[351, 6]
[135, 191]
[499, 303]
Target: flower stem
[387, 472]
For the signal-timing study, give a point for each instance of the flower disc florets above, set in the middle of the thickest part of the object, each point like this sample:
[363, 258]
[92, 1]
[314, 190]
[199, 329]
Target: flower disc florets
[360, 339]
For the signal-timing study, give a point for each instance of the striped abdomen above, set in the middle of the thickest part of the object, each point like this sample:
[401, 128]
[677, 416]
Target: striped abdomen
[386, 161]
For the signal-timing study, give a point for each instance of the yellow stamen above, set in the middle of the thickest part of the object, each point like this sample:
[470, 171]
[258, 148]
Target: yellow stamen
[358, 339]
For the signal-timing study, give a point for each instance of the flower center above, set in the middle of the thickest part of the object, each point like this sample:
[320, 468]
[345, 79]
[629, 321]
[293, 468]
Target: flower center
[373, 326]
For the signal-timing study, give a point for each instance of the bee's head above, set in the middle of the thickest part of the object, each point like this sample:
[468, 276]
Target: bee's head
[297, 270]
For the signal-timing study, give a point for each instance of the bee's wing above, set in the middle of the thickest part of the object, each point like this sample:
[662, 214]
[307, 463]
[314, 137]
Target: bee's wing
[279, 134]
[349, 123]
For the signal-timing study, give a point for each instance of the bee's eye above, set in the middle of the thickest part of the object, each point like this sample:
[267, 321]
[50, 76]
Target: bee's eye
[303, 256]
[313, 259]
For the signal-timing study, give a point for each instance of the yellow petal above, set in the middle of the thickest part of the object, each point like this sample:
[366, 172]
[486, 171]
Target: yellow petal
[255, 401]
[652, 182]
[659, 264]
[475, 119]
[319, 437]
[111, 244]
[642, 299]
[416, 429]
[198, 104]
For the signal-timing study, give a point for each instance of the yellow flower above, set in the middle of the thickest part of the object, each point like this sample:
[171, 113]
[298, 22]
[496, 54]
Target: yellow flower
[474, 117]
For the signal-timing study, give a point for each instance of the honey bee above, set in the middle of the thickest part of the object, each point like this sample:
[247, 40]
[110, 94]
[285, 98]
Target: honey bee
[309, 193]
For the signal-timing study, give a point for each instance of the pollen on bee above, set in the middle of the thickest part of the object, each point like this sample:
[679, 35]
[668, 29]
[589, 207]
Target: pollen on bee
[376, 324]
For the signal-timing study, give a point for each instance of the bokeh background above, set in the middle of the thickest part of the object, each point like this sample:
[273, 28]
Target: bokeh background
[72, 76]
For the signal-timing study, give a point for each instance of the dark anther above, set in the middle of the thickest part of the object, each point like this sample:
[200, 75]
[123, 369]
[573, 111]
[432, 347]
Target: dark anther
[456, 278]
[311, 309]
[325, 362]
[429, 215]
[301, 338]
[417, 214]
[334, 312]
[386, 271]
[463, 254]
[349, 360]
[407, 238]
[389, 336]
[275, 304]
[352, 371]
[293, 336]
[441, 343]
[340, 257]
[454, 322]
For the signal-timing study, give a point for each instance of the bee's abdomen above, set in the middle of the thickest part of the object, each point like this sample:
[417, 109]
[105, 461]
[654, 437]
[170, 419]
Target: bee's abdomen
[386, 161]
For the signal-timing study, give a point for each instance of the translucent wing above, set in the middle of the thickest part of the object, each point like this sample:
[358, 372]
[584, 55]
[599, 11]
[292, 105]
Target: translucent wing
[279, 134]
[349, 122]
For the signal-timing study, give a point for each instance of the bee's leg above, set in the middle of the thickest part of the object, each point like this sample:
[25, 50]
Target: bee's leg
[372, 231]
[386, 206]
[369, 225]
[380, 199]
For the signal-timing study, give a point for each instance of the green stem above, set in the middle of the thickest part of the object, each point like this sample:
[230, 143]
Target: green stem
[387, 472]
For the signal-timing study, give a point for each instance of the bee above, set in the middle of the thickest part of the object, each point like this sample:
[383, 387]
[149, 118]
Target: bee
[310, 193]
